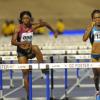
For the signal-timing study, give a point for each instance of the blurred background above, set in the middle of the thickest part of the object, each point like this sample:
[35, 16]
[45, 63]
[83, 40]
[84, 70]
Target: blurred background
[75, 13]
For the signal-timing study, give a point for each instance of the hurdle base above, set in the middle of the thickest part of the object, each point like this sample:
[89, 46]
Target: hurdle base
[52, 98]
[78, 86]
[12, 87]
[13, 99]
[66, 98]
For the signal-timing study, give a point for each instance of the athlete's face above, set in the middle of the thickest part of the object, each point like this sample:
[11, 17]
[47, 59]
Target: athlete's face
[26, 19]
[96, 18]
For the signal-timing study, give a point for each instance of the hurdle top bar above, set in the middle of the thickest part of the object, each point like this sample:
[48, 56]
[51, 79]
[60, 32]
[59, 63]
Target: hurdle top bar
[68, 56]
[48, 52]
[49, 66]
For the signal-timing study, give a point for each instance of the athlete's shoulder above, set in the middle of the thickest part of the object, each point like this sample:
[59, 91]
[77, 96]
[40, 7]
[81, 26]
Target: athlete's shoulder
[17, 28]
[93, 30]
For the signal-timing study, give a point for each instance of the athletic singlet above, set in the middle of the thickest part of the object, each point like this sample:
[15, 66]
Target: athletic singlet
[25, 35]
[95, 35]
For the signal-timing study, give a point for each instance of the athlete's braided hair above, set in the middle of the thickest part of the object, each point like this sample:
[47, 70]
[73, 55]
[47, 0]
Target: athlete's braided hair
[25, 13]
[94, 11]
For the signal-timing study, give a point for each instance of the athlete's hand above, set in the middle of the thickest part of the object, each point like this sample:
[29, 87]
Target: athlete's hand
[92, 24]
[88, 30]
[43, 23]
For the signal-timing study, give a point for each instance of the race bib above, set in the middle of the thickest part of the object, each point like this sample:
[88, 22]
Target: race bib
[27, 37]
[97, 36]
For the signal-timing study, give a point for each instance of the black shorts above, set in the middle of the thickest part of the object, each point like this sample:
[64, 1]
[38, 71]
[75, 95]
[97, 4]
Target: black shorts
[95, 56]
[25, 52]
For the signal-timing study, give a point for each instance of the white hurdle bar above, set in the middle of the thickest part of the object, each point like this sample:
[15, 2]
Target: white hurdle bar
[8, 58]
[50, 65]
[48, 52]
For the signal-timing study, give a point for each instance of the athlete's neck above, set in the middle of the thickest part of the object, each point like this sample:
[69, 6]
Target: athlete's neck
[26, 25]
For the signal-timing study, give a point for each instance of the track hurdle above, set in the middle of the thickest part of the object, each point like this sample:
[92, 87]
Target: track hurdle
[50, 66]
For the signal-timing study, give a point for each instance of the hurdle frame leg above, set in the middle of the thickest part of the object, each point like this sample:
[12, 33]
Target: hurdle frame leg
[1, 77]
[47, 87]
[77, 74]
[11, 79]
[30, 83]
[66, 79]
[66, 83]
[11, 76]
[1, 87]
[52, 80]
[52, 85]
